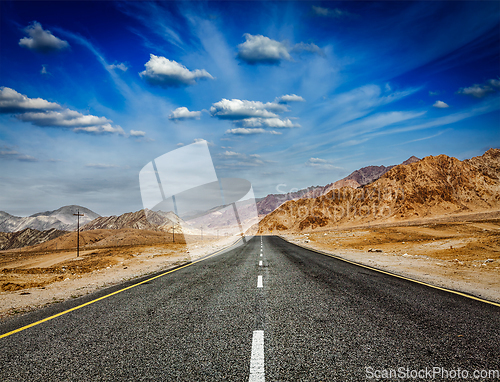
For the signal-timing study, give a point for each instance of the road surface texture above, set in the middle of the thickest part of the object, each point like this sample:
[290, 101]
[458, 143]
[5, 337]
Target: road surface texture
[266, 310]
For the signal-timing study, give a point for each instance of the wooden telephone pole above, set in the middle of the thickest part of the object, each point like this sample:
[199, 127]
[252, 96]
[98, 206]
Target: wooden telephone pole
[78, 233]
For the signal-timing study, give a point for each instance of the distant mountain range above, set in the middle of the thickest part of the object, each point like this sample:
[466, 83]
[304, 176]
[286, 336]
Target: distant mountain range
[143, 219]
[61, 219]
[431, 187]
[358, 178]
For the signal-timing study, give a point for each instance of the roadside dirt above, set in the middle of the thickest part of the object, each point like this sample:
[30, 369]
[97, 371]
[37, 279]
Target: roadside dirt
[463, 256]
[30, 279]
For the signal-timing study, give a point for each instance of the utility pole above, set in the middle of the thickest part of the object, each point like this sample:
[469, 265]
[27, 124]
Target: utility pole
[173, 234]
[78, 233]
[201, 233]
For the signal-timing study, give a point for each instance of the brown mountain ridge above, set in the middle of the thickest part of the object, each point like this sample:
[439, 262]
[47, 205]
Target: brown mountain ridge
[358, 178]
[434, 186]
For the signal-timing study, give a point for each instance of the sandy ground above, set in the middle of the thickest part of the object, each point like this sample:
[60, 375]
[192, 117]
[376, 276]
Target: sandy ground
[30, 280]
[463, 256]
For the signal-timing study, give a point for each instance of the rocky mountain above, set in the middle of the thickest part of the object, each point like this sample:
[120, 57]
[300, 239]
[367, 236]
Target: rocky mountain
[356, 179]
[272, 201]
[488, 164]
[143, 219]
[61, 219]
[434, 186]
[27, 237]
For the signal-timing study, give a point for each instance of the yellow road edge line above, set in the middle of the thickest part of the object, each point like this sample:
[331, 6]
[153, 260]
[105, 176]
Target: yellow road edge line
[395, 275]
[110, 294]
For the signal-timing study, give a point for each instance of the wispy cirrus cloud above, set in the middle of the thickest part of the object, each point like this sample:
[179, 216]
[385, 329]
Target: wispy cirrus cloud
[42, 41]
[165, 73]
[101, 166]
[355, 105]
[486, 106]
[232, 159]
[334, 13]
[10, 153]
[307, 47]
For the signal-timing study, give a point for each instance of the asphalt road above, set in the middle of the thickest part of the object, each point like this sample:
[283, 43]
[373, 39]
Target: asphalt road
[309, 317]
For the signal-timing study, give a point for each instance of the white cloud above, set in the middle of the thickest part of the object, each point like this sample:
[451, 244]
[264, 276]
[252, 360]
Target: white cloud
[101, 165]
[251, 116]
[137, 133]
[316, 161]
[321, 164]
[196, 140]
[267, 122]
[120, 66]
[232, 154]
[262, 50]
[64, 118]
[481, 90]
[183, 113]
[431, 93]
[14, 102]
[241, 109]
[180, 144]
[100, 129]
[332, 13]
[440, 105]
[245, 131]
[41, 40]
[290, 98]
[41, 113]
[163, 72]
[44, 70]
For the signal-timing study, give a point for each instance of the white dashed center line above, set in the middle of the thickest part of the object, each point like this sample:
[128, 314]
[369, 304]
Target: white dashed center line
[257, 361]
[260, 263]
[259, 281]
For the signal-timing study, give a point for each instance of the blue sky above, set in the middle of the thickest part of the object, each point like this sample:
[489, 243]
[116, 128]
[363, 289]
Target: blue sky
[288, 94]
